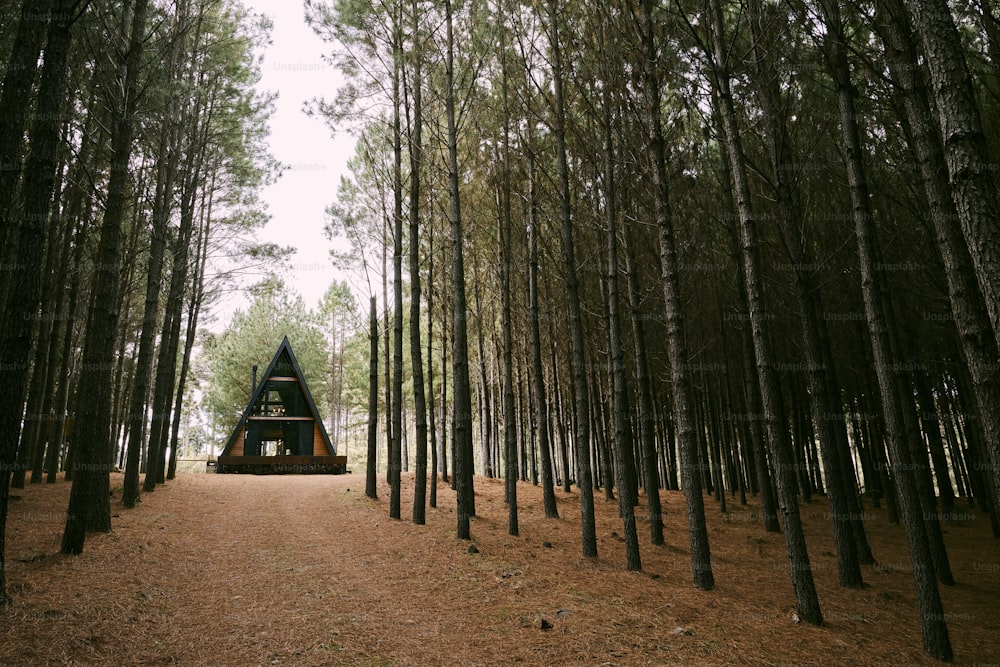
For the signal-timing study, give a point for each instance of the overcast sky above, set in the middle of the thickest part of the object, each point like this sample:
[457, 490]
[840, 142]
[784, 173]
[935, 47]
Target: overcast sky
[294, 68]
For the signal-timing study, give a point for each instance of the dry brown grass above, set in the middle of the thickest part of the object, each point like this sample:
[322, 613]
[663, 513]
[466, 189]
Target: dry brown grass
[244, 570]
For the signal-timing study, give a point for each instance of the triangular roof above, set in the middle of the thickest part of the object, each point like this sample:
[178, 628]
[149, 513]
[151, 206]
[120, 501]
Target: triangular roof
[284, 347]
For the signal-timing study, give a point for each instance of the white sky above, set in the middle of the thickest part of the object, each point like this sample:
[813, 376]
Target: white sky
[315, 161]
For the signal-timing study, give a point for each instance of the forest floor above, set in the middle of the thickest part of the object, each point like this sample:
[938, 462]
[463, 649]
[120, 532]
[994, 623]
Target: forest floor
[305, 570]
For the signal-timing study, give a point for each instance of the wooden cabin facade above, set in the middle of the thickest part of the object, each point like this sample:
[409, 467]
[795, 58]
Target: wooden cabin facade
[280, 431]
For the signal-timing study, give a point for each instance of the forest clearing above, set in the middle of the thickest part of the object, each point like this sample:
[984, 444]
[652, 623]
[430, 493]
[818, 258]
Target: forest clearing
[304, 570]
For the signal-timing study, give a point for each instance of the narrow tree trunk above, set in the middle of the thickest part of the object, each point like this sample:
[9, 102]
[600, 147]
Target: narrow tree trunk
[25, 294]
[431, 414]
[68, 342]
[620, 407]
[560, 420]
[416, 352]
[768, 502]
[807, 601]
[193, 310]
[935, 631]
[823, 406]
[89, 504]
[968, 308]
[701, 563]
[973, 188]
[581, 440]
[445, 427]
[486, 418]
[506, 261]
[647, 415]
[57, 283]
[387, 348]
[537, 373]
[166, 363]
[136, 417]
[371, 482]
[15, 101]
[462, 408]
[396, 444]
[39, 403]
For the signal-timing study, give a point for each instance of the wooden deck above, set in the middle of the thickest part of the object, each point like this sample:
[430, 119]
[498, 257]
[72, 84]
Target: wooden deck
[271, 465]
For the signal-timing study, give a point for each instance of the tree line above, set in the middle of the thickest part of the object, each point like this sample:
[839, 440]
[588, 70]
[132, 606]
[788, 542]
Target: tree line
[131, 153]
[726, 247]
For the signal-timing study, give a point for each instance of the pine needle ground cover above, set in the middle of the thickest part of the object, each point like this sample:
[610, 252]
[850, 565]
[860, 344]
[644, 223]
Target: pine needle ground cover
[304, 570]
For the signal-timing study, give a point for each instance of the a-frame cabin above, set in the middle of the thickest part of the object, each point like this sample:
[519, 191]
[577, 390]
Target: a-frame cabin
[280, 431]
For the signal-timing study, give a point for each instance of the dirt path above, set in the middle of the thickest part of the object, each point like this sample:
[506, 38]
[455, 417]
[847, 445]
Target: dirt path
[245, 570]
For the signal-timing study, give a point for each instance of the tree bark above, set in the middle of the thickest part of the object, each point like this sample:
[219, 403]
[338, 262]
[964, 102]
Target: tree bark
[15, 100]
[25, 295]
[935, 631]
[647, 415]
[462, 401]
[89, 504]
[416, 353]
[578, 367]
[619, 395]
[807, 601]
[973, 188]
[823, 406]
[701, 562]
[396, 444]
[371, 483]
[136, 416]
[969, 313]
[506, 261]
[537, 372]
[58, 277]
[166, 363]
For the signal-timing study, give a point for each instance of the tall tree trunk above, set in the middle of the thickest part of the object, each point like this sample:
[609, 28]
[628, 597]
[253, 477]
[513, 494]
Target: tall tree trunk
[32, 445]
[620, 404]
[823, 405]
[89, 503]
[647, 415]
[371, 483]
[396, 444]
[387, 349]
[193, 310]
[62, 375]
[807, 601]
[431, 414]
[26, 287]
[537, 372]
[506, 260]
[968, 309]
[39, 402]
[443, 452]
[701, 561]
[136, 416]
[166, 363]
[462, 401]
[973, 188]
[486, 417]
[578, 366]
[68, 342]
[15, 101]
[416, 353]
[57, 279]
[935, 631]
[560, 419]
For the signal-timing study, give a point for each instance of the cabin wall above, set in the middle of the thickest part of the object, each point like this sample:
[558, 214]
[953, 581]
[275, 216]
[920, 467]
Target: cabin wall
[319, 449]
[237, 449]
